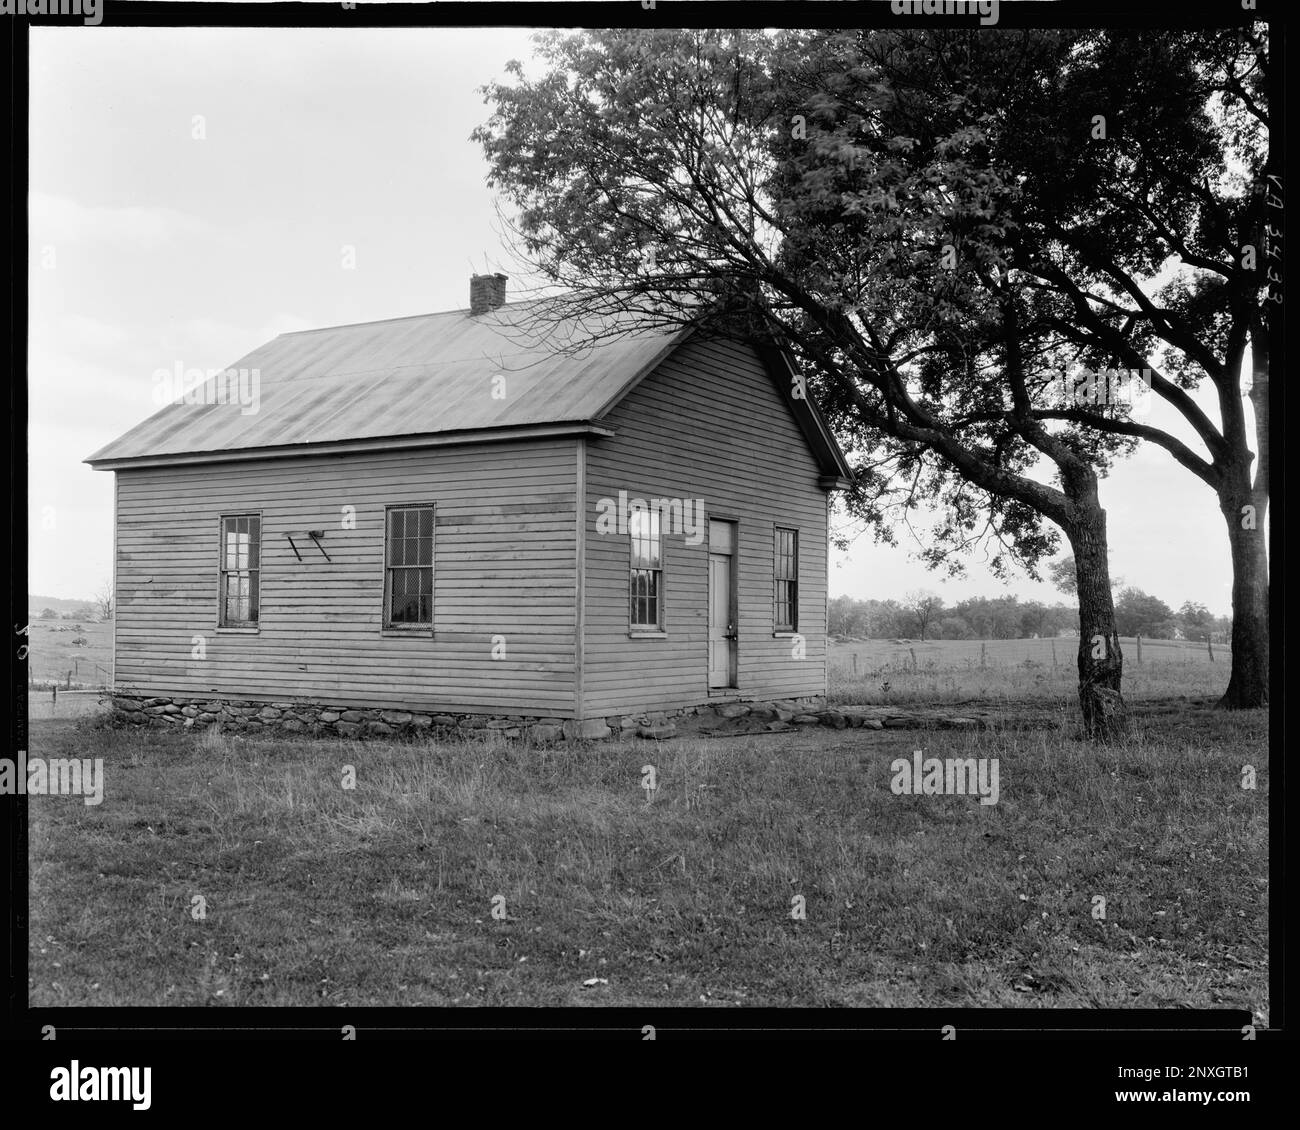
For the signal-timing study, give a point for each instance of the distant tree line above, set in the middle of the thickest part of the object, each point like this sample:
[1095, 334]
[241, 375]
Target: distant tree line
[81, 612]
[924, 615]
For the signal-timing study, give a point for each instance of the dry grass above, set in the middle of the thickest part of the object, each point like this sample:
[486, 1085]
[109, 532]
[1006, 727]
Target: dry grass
[383, 894]
[53, 655]
[932, 672]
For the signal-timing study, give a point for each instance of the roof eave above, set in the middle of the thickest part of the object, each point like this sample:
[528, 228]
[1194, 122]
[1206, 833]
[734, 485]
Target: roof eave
[351, 446]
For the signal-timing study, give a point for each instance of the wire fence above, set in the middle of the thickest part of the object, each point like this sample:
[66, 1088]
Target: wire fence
[869, 657]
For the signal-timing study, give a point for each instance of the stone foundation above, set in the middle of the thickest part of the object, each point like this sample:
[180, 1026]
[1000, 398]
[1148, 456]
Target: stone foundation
[343, 721]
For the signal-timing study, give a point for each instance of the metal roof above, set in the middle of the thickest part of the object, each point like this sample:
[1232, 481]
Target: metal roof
[430, 375]
[422, 375]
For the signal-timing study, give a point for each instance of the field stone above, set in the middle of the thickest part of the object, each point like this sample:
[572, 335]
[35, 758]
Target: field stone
[293, 724]
[329, 716]
[395, 717]
[378, 728]
[546, 732]
[658, 733]
[349, 729]
[352, 716]
[592, 729]
[731, 710]
[833, 718]
[807, 720]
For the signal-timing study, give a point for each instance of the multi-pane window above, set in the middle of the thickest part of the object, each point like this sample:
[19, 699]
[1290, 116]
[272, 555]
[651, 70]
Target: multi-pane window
[408, 567]
[647, 571]
[786, 576]
[241, 553]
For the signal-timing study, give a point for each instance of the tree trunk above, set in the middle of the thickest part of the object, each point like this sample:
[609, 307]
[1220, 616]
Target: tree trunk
[1248, 684]
[1101, 663]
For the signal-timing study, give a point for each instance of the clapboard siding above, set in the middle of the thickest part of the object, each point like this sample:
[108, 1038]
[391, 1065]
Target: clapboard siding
[504, 564]
[708, 423]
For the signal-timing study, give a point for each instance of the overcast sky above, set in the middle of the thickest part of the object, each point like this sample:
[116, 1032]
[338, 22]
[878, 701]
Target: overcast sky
[151, 247]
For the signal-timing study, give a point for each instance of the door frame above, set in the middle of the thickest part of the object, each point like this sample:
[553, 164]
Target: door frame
[733, 611]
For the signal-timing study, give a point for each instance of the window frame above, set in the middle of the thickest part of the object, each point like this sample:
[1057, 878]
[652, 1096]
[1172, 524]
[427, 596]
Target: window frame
[660, 573]
[388, 626]
[223, 624]
[778, 627]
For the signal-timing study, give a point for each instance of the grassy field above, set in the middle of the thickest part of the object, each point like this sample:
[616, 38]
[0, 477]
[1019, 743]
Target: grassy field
[384, 894]
[1011, 671]
[53, 655]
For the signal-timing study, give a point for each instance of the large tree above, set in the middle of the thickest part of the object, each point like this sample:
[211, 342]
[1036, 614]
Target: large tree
[1147, 195]
[1140, 614]
[782, 184]
[924, 608]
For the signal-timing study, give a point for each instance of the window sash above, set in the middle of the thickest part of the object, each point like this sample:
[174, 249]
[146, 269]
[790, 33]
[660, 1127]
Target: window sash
[646, 598]
[785, 579]
[408, 567]
[240, 570]
[645, 571]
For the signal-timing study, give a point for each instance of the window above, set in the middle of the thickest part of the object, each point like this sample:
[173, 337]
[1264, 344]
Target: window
[241, 556]
[786, 575]
[408, 567]
[647, 571]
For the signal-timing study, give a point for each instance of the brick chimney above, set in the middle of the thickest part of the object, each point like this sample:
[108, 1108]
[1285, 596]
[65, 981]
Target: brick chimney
[486, 292]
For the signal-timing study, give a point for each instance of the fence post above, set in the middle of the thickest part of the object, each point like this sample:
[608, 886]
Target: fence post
[855, 662]
[983, 645]
[913, 651]
[1053, 655]
[1209, 643]
[1139, 649]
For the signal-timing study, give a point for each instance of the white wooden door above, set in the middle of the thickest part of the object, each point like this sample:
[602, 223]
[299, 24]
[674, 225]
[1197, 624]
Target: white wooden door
[722, 605]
